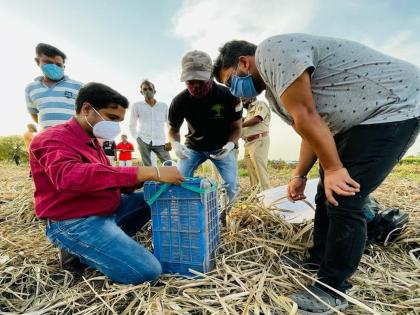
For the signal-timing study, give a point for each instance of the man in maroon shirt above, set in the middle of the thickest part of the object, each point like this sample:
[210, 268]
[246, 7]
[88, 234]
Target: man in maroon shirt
[78, 192]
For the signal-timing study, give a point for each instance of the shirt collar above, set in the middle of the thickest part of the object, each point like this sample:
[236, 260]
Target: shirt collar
[39, 78]
[78, 131]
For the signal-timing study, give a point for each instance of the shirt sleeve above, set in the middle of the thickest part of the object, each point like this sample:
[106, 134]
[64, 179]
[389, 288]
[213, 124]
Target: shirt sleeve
[235, 104]
[80, 85]
[30, 106]
[166, 109]
[176, 115]
[282, 59]
[133, 121]
[69, 173]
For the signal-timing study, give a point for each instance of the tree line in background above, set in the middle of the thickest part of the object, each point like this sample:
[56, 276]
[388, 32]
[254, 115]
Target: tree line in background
[11, 146]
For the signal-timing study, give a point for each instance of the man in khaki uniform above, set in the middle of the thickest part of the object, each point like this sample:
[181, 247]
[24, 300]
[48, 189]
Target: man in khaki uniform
[257, 141]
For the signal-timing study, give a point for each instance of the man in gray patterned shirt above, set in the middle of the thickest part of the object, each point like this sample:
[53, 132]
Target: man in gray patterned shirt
[357, 111]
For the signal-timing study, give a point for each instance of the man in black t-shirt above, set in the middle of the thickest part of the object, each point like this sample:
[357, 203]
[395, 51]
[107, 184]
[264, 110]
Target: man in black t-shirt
[213, 116]
[110, 150]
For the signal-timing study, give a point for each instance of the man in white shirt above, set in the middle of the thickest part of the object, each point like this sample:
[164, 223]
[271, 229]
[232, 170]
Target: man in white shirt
[152, 116]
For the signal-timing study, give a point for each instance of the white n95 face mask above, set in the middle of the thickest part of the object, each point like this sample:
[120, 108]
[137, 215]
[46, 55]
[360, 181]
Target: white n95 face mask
[105, 129]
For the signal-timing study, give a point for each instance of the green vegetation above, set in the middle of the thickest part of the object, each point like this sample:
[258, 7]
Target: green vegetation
[408, 168]
[411, 160]
[10, 145]
[243, 172]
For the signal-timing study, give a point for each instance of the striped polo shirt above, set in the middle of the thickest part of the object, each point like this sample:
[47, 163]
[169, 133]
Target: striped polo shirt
[55, 104]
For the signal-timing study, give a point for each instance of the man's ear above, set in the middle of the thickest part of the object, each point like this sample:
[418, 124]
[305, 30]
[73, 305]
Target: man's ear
[36, 60]
[86, 108]
[244, 61]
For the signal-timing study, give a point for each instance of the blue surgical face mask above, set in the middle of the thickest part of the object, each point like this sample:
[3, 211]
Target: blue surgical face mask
[52, 71]
[243, 86]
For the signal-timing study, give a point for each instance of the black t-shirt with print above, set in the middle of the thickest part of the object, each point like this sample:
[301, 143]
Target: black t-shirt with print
[209, 118]
[109, 148]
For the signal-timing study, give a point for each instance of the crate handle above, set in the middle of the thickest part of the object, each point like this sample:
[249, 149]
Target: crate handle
[165, 187]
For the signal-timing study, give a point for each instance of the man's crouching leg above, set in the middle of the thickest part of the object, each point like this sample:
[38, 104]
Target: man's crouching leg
[100, 243]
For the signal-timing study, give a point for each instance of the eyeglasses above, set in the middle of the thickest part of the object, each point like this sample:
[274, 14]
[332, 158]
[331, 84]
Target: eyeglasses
[147, 89]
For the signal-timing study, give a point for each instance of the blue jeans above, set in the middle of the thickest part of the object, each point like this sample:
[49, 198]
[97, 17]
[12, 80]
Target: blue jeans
[105, 243]
[227, 168]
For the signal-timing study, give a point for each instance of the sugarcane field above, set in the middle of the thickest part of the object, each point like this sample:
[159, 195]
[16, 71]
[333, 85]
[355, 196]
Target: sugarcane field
[247, 279]
[201, 157]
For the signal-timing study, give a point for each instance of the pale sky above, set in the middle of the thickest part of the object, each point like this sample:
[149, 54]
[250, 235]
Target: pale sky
[119, 43]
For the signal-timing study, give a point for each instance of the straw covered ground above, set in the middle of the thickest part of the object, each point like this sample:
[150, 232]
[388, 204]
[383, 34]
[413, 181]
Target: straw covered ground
[248, 278]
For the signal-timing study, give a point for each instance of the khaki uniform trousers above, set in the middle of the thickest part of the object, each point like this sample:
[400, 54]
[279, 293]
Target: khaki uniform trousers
[256, 159]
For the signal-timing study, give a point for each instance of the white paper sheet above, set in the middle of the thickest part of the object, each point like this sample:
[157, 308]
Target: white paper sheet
[293, 212]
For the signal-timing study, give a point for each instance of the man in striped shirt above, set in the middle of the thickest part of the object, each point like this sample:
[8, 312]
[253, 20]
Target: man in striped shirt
[50, 99]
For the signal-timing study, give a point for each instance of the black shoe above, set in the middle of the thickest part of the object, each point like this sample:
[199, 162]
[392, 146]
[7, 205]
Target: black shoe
[295, 262]
[71, 263]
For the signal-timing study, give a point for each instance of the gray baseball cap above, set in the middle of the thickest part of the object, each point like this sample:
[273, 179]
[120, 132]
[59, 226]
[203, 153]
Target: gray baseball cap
[196, 65]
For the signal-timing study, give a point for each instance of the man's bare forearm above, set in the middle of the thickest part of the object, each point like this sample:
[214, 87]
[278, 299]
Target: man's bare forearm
[316, 133]
[252, 121]
[174, 135]
[299, 102]
[235, 133]
[307, 159]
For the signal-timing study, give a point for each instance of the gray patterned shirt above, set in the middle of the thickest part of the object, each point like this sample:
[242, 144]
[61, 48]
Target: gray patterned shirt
[352, 84]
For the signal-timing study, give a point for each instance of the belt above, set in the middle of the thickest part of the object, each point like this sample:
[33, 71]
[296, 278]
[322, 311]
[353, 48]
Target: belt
[257, 136]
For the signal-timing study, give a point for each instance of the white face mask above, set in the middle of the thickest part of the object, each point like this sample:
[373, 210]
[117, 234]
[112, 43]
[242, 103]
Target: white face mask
[105, 129]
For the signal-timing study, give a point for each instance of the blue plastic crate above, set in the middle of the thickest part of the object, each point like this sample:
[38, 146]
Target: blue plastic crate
[185, 224]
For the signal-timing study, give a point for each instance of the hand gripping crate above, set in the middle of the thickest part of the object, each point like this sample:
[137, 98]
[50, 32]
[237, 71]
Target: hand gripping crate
[185, 224]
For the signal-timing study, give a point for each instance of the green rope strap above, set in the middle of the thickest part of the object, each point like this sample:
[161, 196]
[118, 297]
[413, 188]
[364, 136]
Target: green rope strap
[165, 187]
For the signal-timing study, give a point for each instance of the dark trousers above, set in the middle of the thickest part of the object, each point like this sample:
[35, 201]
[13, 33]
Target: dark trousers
[369, 152]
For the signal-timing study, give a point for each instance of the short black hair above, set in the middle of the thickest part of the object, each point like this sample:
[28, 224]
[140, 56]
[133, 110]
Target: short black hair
[230, 53]
[147, 82]
[49, 51]
[99, 96]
